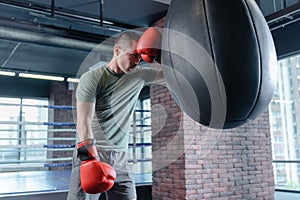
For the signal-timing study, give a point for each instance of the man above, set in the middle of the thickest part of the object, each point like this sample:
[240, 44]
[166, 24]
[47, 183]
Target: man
[106, 99]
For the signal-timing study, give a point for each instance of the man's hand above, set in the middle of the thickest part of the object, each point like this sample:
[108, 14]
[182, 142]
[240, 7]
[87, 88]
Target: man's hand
[95, 176]
[149, 45]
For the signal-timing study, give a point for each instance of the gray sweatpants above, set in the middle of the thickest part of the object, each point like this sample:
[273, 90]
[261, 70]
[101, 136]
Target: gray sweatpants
[124, 186]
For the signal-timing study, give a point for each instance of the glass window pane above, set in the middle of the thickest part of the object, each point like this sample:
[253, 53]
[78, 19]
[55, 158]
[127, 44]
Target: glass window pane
[287, 175]
[21, 127]
[284, 119]
[33, 111]
[9, 112]
[9, 134]
[142, 153]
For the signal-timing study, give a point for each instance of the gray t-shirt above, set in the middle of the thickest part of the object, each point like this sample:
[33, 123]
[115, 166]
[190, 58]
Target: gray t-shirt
[115, 97]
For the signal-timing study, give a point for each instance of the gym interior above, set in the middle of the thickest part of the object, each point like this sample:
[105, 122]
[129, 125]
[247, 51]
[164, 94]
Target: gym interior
[47, 44]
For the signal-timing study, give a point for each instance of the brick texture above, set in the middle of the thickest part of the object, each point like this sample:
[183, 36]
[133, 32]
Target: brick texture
[191, 161]
[61, 96]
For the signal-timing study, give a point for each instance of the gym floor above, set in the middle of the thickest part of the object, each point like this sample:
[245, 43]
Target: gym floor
[54, 185]
[36, 185]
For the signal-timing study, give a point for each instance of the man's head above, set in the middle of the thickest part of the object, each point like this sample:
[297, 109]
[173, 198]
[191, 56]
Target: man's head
[125, 55]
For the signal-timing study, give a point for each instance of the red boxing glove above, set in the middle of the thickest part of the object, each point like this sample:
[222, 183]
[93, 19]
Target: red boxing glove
[149, 45]
[95, 176]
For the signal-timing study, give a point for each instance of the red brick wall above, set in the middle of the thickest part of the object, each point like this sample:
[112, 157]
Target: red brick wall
[60, 95]
[167, 147]
[208, 164]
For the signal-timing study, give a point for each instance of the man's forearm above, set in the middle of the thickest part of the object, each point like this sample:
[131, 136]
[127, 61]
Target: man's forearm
[85, 113]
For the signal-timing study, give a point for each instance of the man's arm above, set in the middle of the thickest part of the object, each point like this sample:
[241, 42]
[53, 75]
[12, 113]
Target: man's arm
[159, 77]
[95, 176]
[149, 48]
[85, 114]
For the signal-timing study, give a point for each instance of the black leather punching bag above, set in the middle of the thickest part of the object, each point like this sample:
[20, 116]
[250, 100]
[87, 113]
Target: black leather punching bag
[219, 60]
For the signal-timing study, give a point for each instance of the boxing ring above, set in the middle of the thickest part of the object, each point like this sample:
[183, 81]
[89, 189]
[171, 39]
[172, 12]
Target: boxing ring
[34, 184]
[37, 178]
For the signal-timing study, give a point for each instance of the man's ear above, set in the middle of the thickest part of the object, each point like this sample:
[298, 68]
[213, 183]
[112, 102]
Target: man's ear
[117, 50]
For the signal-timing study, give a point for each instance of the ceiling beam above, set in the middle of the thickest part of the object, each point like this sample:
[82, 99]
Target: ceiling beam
[14, 34]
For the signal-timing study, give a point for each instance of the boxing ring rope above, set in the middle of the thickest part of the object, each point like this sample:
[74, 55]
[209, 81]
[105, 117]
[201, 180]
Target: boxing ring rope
[40, 106]
[50, 146]
[50, 139]
[37, 161]
[40, 148]
[35, 155]
[39, 123]
[41, 130]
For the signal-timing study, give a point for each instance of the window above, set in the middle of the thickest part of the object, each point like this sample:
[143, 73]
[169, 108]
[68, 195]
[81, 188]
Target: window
[285, 131]
[140, 147]
[280, 165]
[278, 152]
[277, 127]
[22, 133]
[278, 139]
[276, 114]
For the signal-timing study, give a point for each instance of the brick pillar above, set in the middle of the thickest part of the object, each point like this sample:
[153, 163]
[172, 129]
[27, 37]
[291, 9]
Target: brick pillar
[208, 163]
[60, 95]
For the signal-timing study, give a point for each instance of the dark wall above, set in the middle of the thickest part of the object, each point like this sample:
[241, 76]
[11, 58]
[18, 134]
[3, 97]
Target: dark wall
[287, 40]
[21, 87]
[268, 7]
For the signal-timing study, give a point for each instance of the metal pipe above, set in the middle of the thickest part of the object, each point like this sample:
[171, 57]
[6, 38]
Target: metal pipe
[52, 8]
[274, 5]
[20, 35]
[286, 161]
[45, 9]
[284, 4]
[285, 24]
[101, 12]
[134, 138]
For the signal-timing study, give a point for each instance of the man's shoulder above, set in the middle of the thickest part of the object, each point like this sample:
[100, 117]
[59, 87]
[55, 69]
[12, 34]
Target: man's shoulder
[94, 72]
[145, 69]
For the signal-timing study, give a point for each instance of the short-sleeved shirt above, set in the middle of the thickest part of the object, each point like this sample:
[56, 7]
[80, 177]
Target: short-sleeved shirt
[115, 97]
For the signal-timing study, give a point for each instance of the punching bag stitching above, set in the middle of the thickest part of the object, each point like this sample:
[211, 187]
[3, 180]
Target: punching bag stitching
[208, 30]
[219, 79]
[260, 57]
[168, 33]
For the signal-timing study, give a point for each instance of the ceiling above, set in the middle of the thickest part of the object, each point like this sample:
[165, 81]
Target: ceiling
[38, 36]
[55, 36]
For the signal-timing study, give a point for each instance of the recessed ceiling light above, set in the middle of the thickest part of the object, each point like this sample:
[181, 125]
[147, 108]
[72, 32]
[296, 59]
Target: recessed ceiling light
[6, 73]
[43, 77]
[73, 80]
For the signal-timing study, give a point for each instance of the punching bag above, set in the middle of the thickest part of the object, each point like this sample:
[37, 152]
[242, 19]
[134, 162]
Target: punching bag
[219, 60]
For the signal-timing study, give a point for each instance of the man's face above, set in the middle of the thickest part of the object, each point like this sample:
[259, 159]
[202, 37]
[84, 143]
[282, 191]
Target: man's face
[128, 58]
